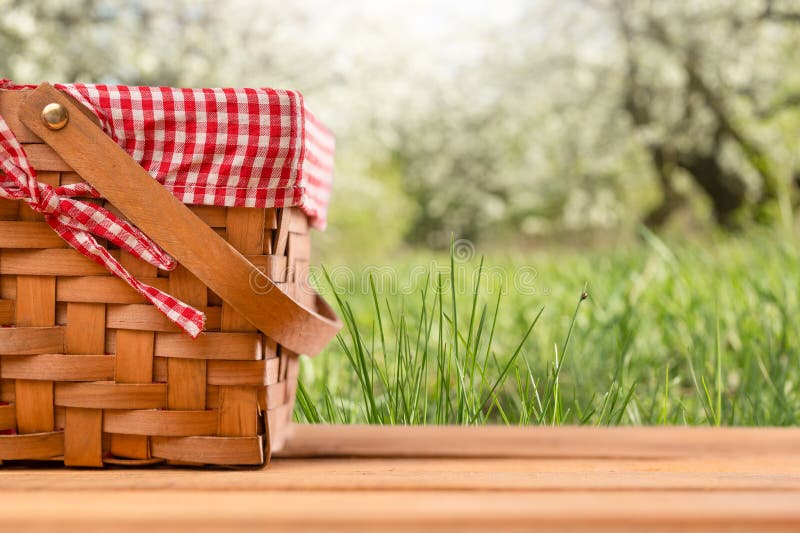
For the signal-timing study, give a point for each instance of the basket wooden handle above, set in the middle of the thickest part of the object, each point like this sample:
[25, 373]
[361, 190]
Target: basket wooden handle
[151, 207]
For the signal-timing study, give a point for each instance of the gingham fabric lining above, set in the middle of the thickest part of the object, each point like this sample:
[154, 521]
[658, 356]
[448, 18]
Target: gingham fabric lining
[224, 147]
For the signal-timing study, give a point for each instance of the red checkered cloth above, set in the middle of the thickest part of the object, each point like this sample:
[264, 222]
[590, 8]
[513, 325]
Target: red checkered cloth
[223, 147]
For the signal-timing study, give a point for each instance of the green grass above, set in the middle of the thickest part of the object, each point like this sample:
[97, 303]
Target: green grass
[657, 333]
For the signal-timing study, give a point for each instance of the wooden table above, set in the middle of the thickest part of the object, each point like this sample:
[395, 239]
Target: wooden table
[380, 478]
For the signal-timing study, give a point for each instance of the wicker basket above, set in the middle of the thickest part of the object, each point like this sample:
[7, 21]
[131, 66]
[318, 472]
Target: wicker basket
[91, 374]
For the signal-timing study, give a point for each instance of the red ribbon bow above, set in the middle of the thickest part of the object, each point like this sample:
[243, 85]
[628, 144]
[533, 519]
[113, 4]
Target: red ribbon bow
[79, 221]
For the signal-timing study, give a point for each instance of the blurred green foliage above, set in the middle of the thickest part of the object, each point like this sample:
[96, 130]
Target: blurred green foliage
[525, 120]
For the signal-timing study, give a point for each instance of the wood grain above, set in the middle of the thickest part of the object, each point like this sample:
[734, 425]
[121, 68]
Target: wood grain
[110, 395]
[212, 215]
[19, 234]
[282, 232]
[147, 318]
[42, 157]
[161, 423]
[713, 480]
[421, 511]
[31, 341]
[210, 450]
[10, 101]
[232, 346]
[83, 442]
[8, 417]
[134, 360]
[134, 364]
[238, 405]
[36, 307]
[453, 474]
[48, 262]
[238, 411]
[58, 367]
[85, 333]
[34, 445]
[105, 289]
[7, 312]
[186, 376]
[569, 441]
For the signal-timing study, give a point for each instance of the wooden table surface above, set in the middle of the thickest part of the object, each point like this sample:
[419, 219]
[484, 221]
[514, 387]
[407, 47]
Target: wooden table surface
[381, 478]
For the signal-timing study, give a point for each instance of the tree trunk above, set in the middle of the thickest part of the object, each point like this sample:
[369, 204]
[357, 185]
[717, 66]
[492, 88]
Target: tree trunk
[725, 189]
[663, 158]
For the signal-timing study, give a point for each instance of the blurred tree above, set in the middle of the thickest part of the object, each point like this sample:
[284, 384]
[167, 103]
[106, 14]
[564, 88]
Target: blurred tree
[707, 120]
[532, 116]
[128, 41]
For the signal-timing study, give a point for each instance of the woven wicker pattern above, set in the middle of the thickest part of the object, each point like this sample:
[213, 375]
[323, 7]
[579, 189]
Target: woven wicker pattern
[91, 374]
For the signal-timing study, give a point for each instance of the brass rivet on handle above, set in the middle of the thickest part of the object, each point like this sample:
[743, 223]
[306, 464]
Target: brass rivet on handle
[55, 116]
